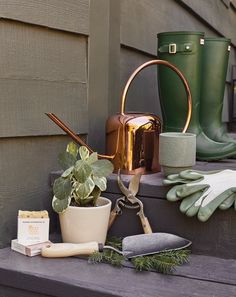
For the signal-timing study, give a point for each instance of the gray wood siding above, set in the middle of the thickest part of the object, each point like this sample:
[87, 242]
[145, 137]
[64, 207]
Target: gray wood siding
[25, 166]
[144, 98]
[216, 14]
[41, 70]
[141, 22]
[68, 15]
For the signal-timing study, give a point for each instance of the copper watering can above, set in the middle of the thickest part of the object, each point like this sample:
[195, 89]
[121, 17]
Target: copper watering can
[132, 139]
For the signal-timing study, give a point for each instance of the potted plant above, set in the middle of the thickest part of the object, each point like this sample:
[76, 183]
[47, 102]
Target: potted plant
[83, 213]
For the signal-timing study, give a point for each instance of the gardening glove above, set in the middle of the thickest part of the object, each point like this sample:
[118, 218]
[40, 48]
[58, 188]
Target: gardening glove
[202, 192]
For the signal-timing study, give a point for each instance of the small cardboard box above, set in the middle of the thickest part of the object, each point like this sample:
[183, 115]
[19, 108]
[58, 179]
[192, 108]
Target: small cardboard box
[32, 228]
[28, 250]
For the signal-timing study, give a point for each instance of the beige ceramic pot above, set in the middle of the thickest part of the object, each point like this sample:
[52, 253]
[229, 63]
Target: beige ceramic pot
[177, 152]
[85, 224]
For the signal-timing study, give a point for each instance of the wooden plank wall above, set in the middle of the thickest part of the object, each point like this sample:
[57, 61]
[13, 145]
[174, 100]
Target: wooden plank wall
[73, 58]
[140, 24]
[43, 67]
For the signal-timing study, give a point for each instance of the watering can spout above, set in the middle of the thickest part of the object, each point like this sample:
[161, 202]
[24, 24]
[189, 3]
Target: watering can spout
[73, 135]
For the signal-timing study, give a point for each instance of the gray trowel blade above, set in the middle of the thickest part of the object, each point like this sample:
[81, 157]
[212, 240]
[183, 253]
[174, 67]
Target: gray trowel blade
[147, 244]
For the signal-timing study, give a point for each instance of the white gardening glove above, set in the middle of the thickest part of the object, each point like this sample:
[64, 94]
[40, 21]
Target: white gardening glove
[202, 192]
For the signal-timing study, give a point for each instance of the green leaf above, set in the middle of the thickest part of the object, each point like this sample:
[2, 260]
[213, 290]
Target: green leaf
[60, 205]
[96, 194]
[62, 188]
[82, 171]
[86, 202]
[73, 149]
[100, 182]
[66, 160]
[83, 190]
[92, 158]
[67, 172]
[84, 153]
[102, 168]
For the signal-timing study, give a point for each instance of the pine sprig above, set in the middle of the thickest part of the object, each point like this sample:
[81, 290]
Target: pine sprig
[163, 262]
[107, 256]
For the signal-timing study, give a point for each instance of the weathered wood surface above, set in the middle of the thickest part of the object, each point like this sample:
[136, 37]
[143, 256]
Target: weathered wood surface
[25, 165]
[72, 15]
[221, 17]
[138, 98]
[141, 22]
[204, 276]
[104, 71]
[215, 237]
[41, 71]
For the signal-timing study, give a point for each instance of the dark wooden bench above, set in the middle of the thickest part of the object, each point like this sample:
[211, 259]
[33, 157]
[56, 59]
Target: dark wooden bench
[21, 276]
[211, 271]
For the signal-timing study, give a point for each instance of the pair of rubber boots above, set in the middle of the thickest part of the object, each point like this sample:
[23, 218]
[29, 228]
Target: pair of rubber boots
[203, 62]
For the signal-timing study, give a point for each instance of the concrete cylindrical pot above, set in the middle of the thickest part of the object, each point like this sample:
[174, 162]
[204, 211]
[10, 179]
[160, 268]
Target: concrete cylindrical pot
[85, 224]
[177, 152]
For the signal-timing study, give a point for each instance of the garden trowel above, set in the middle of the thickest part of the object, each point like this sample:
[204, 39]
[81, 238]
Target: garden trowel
[132, 246]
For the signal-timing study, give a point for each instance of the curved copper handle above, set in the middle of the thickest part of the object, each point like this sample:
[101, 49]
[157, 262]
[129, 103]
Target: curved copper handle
[74, 136]
[179, 73]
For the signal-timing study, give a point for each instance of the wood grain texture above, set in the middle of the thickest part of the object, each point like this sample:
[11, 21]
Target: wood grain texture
[104, 57]
[141, 22]
[72, 15]
[215, 13]
[41, 71]
[54, 277]
[26, 163]
[143, 92]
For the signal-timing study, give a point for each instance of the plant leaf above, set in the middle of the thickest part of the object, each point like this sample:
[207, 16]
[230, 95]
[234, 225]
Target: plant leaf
[83, 190]
[66, 160]
[84, 153]
[96, 194]
[82, 171]
[67, 172]
[102, 168]
[73, 149]
[92, 158]
[89, 201]
[60, 205]
[100, 182]
[62, 188]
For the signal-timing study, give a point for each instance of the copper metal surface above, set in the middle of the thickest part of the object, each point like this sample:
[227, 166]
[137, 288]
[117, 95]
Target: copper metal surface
[137, 149]
[132, 139]
[178, 72]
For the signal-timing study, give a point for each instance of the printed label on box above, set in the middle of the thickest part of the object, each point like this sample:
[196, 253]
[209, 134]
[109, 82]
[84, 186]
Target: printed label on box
[32, 230]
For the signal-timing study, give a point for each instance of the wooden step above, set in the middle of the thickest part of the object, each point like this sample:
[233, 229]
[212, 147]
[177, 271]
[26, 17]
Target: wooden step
[22, 276]
[216, 237]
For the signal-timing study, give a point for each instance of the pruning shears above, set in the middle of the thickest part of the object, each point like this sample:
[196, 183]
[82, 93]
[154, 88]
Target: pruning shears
[129, 200]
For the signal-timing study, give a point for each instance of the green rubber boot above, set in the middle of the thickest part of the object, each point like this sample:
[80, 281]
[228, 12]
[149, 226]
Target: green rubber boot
[184, 50]
[214, 71]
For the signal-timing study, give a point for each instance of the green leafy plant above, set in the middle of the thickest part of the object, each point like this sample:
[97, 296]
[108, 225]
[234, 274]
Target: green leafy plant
[83, 179]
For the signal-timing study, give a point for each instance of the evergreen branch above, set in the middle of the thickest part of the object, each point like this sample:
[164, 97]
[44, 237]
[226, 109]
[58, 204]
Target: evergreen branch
[109, 257]
[163, 262]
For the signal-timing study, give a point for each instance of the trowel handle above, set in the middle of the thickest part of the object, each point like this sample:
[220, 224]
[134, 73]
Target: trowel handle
[60, 250]
[146, 225]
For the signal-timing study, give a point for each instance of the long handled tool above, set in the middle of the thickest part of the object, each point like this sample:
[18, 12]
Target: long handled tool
[132, 246]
